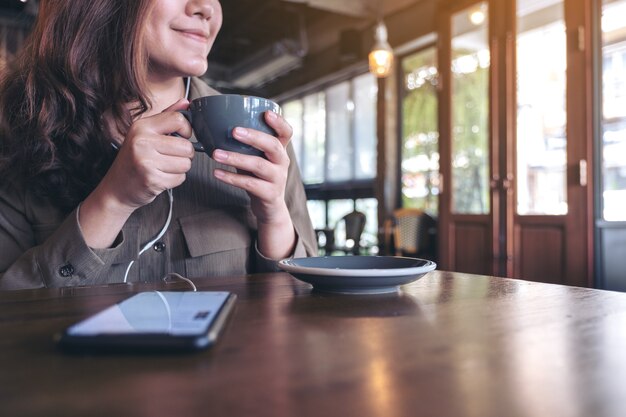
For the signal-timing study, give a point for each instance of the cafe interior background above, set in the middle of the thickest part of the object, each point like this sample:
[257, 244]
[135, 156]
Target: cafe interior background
[499, 129]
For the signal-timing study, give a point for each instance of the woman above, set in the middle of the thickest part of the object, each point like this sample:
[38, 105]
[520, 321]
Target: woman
[86, 156]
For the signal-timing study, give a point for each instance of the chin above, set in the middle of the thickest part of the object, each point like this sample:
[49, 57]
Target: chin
[196, 68]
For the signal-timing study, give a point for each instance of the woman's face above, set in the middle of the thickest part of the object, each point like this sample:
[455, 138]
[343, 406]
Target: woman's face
[179, 35]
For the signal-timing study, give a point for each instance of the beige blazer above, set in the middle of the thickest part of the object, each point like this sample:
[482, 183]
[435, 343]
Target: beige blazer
[212, 233]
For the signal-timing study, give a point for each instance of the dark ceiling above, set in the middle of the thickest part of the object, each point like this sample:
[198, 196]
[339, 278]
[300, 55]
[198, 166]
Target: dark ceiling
[251, 24]
[249, 31]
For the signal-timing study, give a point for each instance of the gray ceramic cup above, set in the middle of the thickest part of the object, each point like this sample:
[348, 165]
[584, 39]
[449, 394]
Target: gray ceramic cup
[213, 119]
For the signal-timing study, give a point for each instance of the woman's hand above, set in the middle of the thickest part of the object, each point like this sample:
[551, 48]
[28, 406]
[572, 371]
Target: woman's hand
[264, 180]
[149, 162]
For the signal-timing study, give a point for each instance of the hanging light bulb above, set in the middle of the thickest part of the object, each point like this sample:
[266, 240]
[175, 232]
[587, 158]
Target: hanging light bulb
[381, 56]
[478, 15]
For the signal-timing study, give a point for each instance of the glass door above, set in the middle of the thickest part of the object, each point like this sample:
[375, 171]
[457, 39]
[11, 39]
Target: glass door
[541, 108]
[470, 111]
[419, 154]
[466, 206]
[549, 234]
[515, 131]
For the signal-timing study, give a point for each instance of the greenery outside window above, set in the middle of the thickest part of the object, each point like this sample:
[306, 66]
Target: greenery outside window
[420, 132]
[470, 112]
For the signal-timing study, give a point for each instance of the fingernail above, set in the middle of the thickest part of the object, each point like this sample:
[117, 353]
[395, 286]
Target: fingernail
[218, 173]
[241, 132]
[220, 155]
[271, 115]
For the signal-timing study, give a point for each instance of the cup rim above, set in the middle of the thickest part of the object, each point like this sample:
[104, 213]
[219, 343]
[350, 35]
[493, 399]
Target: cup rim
[234, 95]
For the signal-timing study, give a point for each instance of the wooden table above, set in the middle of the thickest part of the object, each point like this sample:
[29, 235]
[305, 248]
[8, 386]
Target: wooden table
[447, 345]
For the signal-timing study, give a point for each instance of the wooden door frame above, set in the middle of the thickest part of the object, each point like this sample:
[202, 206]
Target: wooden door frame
[448, 250]
[502, 47]
[577, 225]
[506, 227]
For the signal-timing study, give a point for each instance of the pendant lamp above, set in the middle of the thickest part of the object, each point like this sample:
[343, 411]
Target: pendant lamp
[381, 56]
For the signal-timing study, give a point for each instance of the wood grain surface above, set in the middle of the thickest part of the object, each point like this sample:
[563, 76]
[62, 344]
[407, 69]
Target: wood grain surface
[448, 344]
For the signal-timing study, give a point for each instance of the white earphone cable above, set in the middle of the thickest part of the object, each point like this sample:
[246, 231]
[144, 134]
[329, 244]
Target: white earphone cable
[157, 237]
[169, 214]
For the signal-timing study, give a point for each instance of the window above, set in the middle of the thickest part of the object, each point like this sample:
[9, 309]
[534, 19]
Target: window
[470, 111]
[369, 239]
[335, 143]
[314, 138]
[335, 132]
[317, 212]
[541, 113]
[365, 98]
[340, 163]
[293, 111]
[420, 132]
[613, 110]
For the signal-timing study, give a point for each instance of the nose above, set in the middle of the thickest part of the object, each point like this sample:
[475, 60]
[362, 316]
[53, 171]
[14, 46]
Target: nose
[202, 8]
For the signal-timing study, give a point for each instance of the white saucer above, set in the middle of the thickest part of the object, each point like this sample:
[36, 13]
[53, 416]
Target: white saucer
[357, 274]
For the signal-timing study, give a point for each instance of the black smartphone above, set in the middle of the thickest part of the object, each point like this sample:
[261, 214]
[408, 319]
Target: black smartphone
[153, 321]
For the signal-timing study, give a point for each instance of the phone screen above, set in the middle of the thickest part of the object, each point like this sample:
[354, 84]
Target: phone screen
[154, 319]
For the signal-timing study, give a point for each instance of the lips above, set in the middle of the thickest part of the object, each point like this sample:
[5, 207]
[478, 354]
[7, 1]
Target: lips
[197, 34]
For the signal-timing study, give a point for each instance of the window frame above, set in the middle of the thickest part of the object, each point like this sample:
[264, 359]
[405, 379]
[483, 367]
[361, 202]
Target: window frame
[353, 188]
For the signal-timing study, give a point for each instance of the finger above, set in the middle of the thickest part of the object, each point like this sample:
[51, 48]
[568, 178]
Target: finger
[182, 104]
[165, 123]
[258, 166]
[173, 146]
[283, 129]
[148, 163]
[174, 165]
[173, 123]
[151, 179]
[272, 147]
[254, 186]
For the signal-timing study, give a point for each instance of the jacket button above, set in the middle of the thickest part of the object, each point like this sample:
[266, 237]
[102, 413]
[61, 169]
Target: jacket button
[159, 246]
[66, 270]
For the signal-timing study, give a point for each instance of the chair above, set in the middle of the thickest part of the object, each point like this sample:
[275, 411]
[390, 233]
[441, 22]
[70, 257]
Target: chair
[411, 232]
[352, 224]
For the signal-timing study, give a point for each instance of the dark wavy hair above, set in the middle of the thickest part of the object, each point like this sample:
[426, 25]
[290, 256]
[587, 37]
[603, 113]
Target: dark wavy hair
[84, 59]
